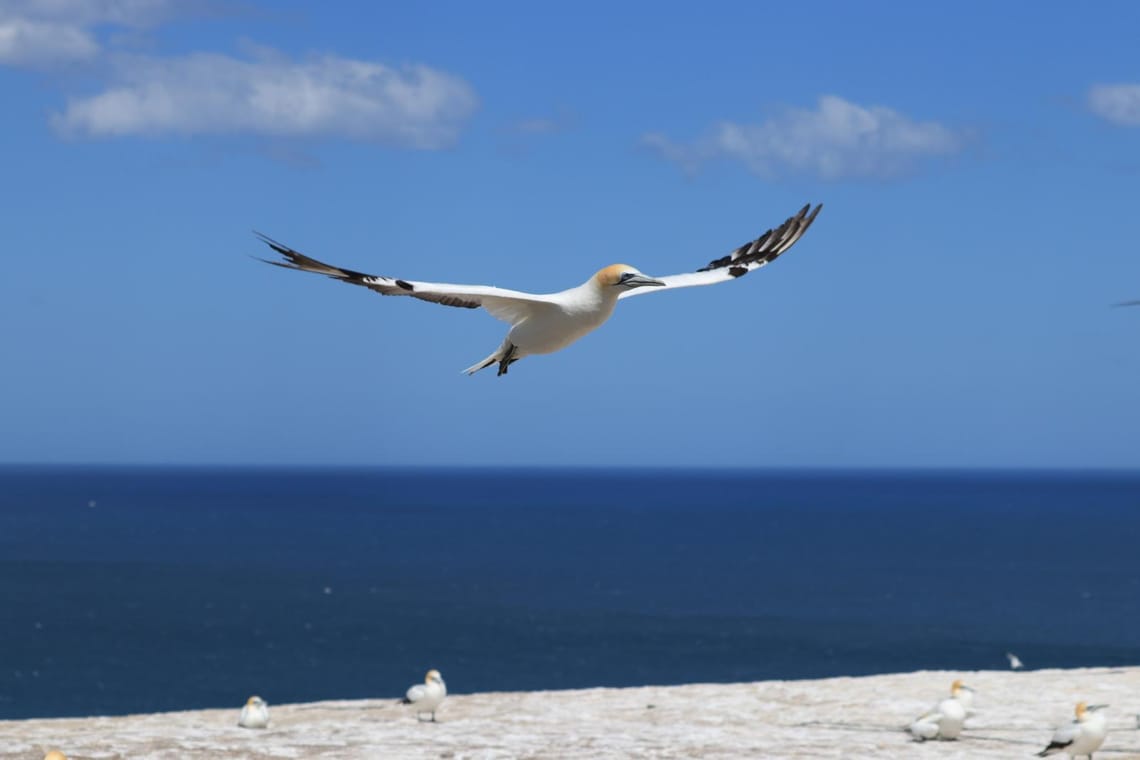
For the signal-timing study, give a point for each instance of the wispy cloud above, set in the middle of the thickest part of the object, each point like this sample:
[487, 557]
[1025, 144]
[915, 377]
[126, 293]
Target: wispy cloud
[26, 42]
[836, 140]
[562, 120]
[538, 126]
[414, 106]
[1116, 103]
[91, 12]
[45, 33]
[260, 91]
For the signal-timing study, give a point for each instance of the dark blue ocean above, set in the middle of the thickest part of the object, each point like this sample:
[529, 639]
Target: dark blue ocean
[125, 590]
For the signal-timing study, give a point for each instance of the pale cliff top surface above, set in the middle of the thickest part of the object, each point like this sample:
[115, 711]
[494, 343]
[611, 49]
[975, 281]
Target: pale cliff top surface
[835, 717]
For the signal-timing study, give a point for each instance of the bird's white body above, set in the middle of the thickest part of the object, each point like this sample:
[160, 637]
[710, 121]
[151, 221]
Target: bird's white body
[945, 720]
[255, 714]
[557, 321]
[426, 697]
[1080, 737]
[543, 324]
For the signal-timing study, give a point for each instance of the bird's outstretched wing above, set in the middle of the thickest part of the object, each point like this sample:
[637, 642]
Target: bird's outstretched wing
[752, 255]
[508, 305]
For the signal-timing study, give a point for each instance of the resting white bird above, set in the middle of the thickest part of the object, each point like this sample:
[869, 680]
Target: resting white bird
[426, 697]
[1081, 736]
[543, 324]
[255, 713]
[944, 720]
[1015, 662]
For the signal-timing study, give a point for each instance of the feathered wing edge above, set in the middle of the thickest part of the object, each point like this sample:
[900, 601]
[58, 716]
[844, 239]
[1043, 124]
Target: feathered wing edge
[748, 257]
[771, 244]
[388, 286]
[507, 305]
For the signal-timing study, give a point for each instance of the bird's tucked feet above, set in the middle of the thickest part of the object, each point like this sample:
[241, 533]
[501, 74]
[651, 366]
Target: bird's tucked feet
[508, 359]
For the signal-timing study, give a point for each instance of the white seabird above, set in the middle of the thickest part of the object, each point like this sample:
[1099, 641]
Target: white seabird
[1081, 736]
[1015, 662]
[944, 720]
[543, 324]
[255, 713]
[426, 697]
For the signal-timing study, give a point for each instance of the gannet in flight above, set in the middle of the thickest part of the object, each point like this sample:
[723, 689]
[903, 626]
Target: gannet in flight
[944, 720]
[426, 697]
[543, 324]
[1015, 662]
[255, 713]
[1081, 736]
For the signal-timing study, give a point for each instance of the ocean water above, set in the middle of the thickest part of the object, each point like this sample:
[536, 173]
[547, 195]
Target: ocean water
[127, 590]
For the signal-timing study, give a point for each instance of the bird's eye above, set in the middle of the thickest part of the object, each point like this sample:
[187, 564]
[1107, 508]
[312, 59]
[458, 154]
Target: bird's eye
[625, 276]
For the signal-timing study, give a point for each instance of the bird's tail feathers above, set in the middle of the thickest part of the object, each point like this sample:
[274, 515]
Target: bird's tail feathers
[482, 364]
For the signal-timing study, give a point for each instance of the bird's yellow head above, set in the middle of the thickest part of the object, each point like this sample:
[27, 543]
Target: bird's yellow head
[432, 675]
[255, 700]
[1082, 708]
[623, 276]
[612, 274]
[55, 754]
[956, 687]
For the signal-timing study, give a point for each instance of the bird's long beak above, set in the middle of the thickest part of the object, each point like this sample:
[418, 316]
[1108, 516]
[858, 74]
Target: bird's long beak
[641, 281]
[1096, 707]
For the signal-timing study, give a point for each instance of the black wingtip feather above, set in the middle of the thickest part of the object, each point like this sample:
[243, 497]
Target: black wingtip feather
[284, 250]
[294, 259]
[772, 243]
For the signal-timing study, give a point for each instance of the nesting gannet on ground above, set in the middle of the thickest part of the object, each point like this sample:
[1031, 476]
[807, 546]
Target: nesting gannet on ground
[255, 713]
[426, 697]
[543, 324]
[1014, 661]
[1081, 736]
[944, 720]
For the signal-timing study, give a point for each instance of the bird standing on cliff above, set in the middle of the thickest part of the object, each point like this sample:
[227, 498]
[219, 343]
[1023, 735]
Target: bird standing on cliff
[255, 713]
[944, 720]
[426, 697]
[543, 324]
[1081, 736]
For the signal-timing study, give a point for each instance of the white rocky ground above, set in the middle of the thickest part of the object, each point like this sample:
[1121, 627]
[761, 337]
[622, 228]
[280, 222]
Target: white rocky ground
[837, 717]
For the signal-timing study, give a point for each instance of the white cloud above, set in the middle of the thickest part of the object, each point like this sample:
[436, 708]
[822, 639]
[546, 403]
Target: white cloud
[42, 33]
[415, 106]
[1116, 103]
[90, 12]
[26, 42]
[838, 139]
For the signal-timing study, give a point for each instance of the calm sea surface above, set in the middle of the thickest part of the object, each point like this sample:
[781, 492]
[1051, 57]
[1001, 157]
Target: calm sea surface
[125, 590]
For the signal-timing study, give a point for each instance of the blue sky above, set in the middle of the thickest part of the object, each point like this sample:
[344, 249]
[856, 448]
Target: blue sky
[979, 166]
